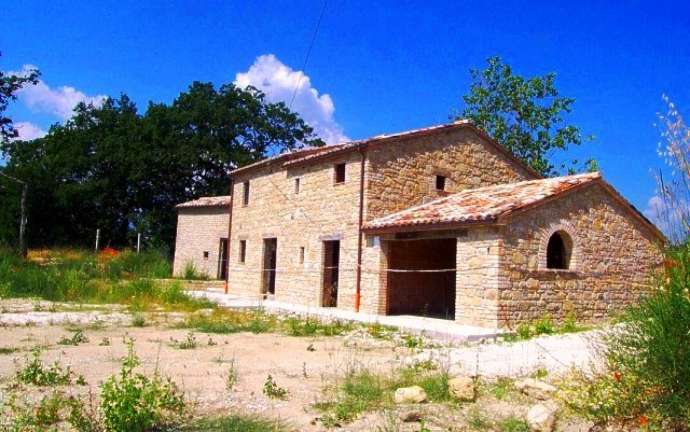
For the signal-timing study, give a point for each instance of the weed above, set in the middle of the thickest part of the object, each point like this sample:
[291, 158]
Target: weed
[477, 420]
[190, 272]
[104, 342]
[273, 390]
[231, 379]
[413, 342]
[501, 388]
[138, 320]
[134, 402]
[78, 337]
[540, 373]
[188, 343]
[34, 372]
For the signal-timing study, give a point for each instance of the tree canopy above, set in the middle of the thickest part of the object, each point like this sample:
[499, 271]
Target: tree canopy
[112, 168]
[526, 115]
[9, 84]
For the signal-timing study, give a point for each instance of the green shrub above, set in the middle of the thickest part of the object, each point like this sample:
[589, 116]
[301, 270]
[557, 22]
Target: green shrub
[134, 402]
[190, 272]
[78, 337]
[648, 358]
[273, 390]
[513, 424]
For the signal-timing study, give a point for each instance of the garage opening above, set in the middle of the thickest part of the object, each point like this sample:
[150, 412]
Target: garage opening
[421, 278]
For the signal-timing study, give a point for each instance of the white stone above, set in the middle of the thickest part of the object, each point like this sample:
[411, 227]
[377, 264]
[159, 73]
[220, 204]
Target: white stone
[414, 394]
[541, 418]
[535, 388]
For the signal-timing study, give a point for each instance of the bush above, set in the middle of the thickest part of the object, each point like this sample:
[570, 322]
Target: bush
[136, 403]
[36, 373]
[648, 358]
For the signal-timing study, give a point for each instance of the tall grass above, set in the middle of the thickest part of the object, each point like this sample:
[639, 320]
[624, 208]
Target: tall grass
[125, 278]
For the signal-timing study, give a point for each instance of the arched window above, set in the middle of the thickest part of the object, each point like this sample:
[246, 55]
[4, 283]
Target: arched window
[558, 251]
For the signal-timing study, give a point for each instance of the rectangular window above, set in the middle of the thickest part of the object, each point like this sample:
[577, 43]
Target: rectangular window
[339, 174]
[245, 194]
[243, 251]
[301, 255]
[440, 182]
[296, 185]
[205, 254]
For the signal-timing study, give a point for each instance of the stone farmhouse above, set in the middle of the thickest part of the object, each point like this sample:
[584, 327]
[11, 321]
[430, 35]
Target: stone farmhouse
[441, 222]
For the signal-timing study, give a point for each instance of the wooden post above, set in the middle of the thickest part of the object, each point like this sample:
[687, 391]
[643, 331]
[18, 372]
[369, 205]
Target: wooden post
[22, 221]
[98, 235]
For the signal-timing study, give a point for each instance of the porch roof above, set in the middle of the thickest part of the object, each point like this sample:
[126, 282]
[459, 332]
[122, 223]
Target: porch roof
[216, 201]
[489, 204]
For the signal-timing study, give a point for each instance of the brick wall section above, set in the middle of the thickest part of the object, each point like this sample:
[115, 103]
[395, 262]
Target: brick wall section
[402, 173]
[614, 257]
[200, 229]
[321, 211]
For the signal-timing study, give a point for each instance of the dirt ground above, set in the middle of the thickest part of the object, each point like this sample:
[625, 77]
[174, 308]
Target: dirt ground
[302, 365]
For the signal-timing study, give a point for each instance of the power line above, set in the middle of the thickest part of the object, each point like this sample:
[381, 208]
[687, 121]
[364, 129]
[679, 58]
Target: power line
[306, 57]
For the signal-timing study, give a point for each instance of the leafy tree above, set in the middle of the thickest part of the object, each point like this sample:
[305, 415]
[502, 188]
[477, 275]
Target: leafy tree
[9, 84]
[524, 114]
[110, 167]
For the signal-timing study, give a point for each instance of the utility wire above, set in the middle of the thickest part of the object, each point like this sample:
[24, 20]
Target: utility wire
[306, 57]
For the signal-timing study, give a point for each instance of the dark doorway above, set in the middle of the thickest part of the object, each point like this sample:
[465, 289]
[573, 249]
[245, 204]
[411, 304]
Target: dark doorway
[421, 278]
[223, 259]
[269, 270]
[331, 262]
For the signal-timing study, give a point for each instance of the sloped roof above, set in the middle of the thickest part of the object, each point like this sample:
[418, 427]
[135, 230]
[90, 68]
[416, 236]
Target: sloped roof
[489, 204]
[217, 201]
[308, 155]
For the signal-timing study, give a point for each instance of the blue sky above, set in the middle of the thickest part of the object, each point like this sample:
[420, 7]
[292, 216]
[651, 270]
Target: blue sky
[377, 67]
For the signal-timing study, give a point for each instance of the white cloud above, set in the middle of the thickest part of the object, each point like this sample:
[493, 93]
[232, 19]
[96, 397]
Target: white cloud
[279, 82]
[28, 131]
[59, 101]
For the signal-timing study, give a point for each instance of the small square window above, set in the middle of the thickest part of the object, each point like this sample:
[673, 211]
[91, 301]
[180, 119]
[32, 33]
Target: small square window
[301, 255]
[205, 254]
[245, 193]
[243, 251]
[339, 175]
[297, 185]
[440, 183]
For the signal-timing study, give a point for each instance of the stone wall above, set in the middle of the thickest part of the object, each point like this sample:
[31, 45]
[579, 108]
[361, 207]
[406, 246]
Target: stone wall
[478, 277]
[613, 258]
[320, 211]
[402, 173]
[199, 230]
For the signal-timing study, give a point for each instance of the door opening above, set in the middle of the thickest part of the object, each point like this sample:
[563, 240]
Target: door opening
[223, 259]
[331, 262]
[269, 266]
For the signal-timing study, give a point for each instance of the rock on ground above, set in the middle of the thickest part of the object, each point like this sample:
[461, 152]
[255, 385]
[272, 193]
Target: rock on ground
[414, 394]
[462, 388]
[535, 388]
[541, 418]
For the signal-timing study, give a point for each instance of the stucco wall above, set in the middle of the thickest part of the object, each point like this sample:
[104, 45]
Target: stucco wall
[613, 258]
[402, 173]
[320, 211]
[200, 229]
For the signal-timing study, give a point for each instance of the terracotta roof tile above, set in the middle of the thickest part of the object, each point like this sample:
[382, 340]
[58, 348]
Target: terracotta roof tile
[217, 201]
[484, 204]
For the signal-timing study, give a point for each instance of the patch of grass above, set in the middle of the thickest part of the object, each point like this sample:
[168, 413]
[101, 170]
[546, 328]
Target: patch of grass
[226, 321]
[190, 272]
[501, 388]
[477, 420]
[87, 278]
[235, 423]
[513, 424]
[8, 350]
[545, 326]
[188, 343]
[312, 327]
[362, 391]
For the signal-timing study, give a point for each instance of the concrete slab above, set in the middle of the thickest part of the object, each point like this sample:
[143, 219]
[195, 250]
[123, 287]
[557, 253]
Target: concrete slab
[439, 329]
